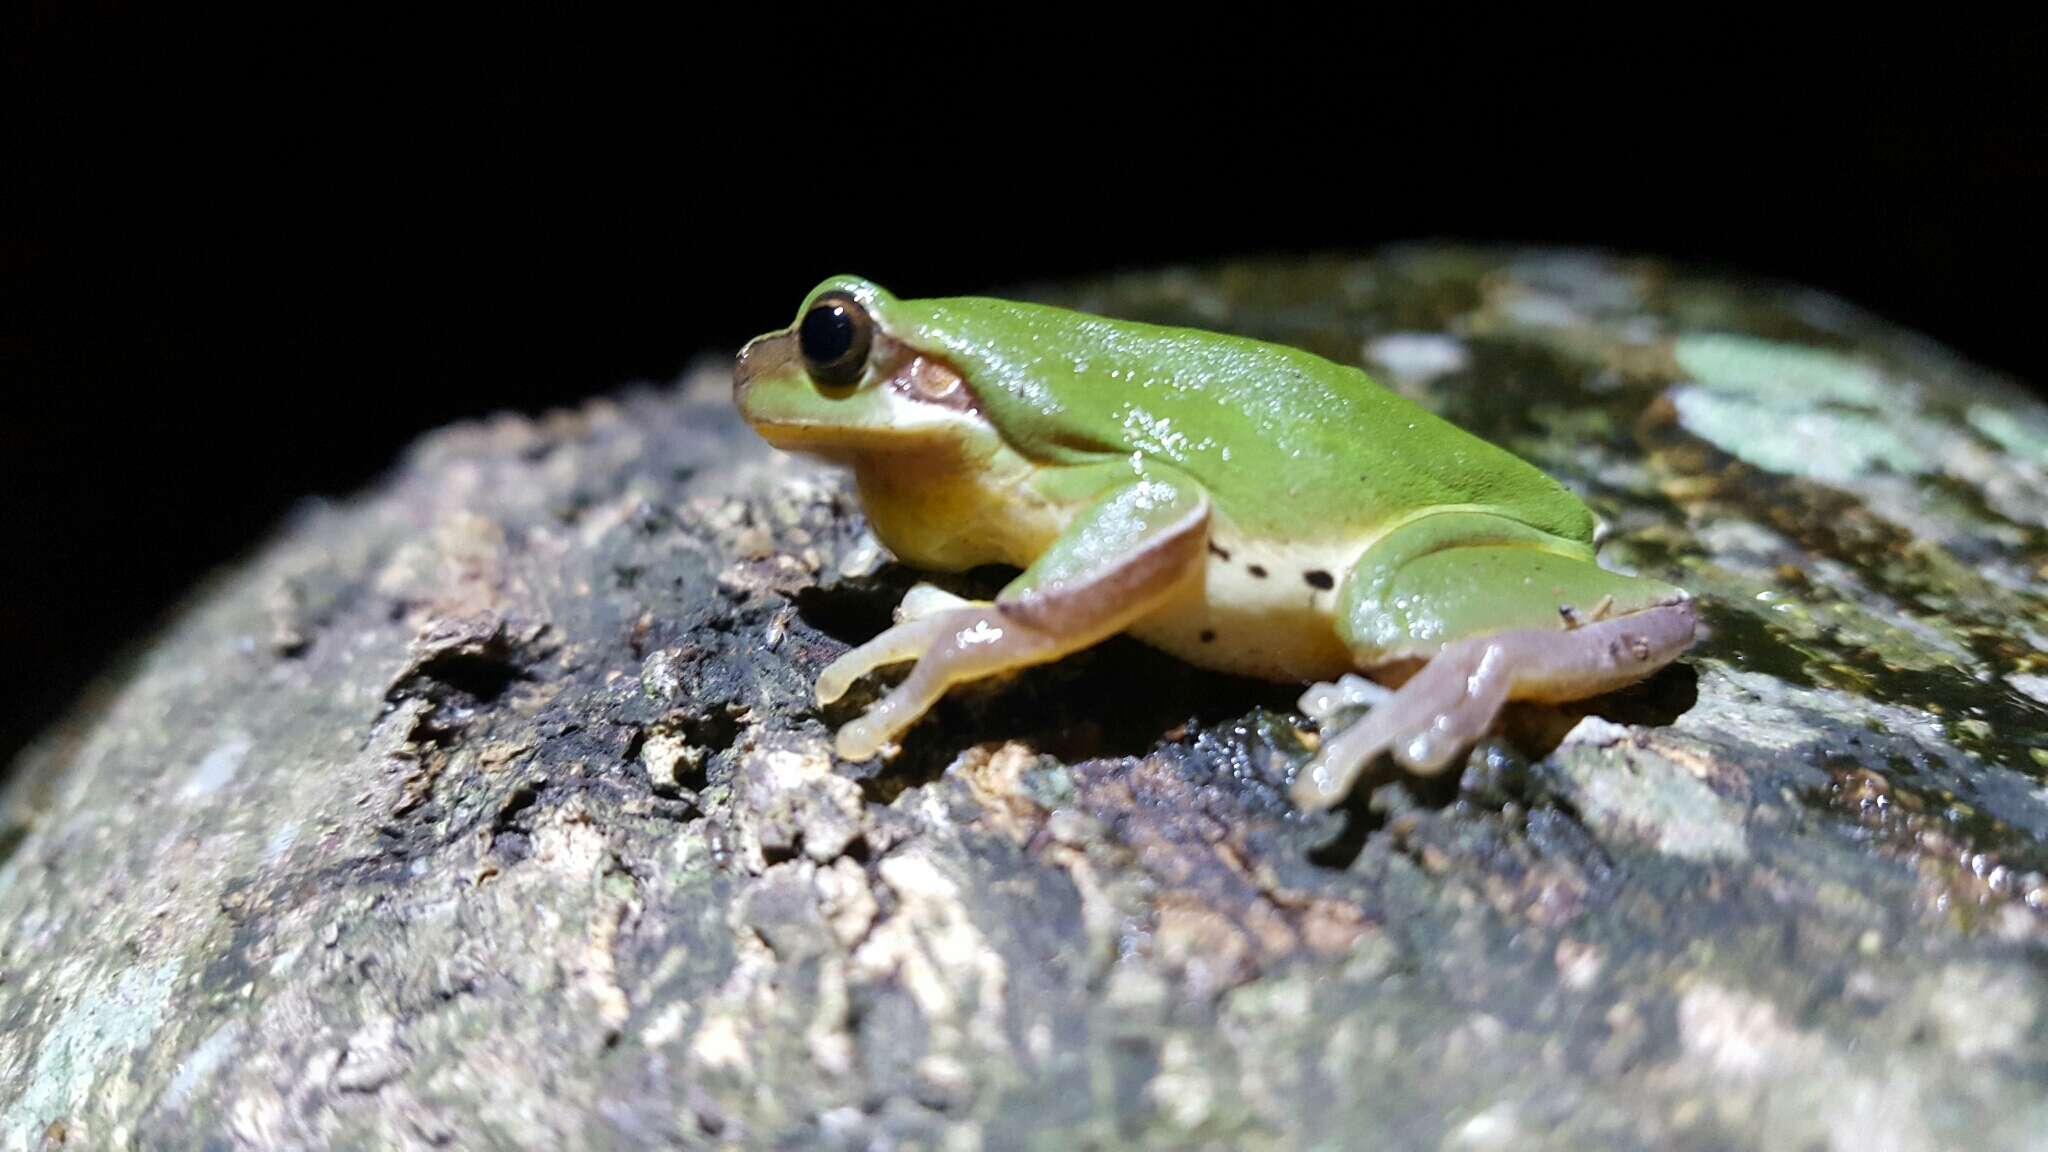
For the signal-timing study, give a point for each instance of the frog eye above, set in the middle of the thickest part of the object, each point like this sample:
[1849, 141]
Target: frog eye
[834, 338]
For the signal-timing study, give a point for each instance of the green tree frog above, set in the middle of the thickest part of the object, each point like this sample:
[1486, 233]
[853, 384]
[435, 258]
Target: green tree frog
[1247, 507]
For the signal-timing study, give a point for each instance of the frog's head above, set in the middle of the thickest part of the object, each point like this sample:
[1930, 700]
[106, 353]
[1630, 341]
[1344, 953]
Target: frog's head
[845, 380]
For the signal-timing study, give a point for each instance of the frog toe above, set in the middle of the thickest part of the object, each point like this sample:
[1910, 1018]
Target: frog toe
[919, 623]
[902, 643]
[863, 738]
[927, 600]
[1325, 698]
[1425, 724]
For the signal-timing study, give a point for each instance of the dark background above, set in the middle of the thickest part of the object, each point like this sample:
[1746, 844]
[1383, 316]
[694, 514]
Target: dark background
[234, 277]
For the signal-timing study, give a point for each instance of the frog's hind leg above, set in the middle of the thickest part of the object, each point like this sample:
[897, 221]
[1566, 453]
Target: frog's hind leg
[1500, 612]
[1456, 697]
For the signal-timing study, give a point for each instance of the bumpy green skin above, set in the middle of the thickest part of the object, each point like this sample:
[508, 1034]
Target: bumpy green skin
[490, 808]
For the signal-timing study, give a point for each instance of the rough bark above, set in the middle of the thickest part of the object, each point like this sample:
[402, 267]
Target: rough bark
[489, 809]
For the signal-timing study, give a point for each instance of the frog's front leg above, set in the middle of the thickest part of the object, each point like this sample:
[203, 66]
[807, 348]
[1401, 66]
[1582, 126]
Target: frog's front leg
[917, 625]
[1130, 551]
[1496, 612]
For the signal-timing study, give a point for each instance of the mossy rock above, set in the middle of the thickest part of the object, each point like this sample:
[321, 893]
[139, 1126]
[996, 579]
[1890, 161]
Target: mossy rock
[489, 808]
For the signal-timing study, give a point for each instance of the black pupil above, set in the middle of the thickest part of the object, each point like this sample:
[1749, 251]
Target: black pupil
[827, 333]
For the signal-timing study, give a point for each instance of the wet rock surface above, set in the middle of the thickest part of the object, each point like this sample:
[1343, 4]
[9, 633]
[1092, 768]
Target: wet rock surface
[489, 808]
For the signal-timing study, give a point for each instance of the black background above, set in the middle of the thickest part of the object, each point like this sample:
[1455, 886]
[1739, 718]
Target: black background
[237, 272]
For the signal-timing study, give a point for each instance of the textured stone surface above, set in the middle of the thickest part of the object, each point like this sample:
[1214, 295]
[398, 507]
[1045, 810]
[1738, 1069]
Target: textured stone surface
[488, 809]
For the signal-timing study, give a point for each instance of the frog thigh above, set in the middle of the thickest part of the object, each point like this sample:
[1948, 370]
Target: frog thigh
[1128, 552]
[1457, 574]
[1495, 620]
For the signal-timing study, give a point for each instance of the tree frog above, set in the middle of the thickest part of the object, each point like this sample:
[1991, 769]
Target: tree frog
[1245, 506]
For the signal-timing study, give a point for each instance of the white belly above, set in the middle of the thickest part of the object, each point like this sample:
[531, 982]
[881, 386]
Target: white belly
[1258, 610]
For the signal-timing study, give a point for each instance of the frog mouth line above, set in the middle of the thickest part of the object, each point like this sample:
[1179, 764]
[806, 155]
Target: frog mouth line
[825, 437]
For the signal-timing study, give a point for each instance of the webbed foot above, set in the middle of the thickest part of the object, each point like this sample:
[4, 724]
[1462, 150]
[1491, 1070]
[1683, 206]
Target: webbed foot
[1457, 696]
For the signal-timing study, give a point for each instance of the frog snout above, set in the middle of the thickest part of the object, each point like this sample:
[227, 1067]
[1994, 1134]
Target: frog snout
[763, 356]
[743, 373]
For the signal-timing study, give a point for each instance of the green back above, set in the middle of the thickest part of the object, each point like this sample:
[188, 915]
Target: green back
[1281, 438]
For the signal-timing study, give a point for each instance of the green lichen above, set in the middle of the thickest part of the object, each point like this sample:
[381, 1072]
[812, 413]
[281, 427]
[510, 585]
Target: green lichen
[88, 1045]
[2026, 439]
[1785, 376]
[1820, 445]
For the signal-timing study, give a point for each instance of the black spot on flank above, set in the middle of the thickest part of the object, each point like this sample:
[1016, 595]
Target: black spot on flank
[1257, 570]
[1319, 579]
[1218, 551]
[1208, 635]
